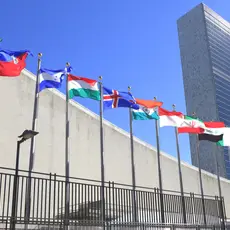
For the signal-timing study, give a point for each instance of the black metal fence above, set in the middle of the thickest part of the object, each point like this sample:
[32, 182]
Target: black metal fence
[47, 204]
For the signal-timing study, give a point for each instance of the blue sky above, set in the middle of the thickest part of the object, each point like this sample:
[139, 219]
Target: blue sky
[128, 42]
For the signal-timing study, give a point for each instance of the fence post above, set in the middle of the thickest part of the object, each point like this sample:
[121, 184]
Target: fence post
[193, 207]
[50, 179]
[114, 208]
[54, 197]
[110, 211]
[224, 210]
[220, 211]
[156, 205]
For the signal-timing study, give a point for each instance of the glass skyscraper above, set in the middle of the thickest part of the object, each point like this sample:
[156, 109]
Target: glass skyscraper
[204, 39]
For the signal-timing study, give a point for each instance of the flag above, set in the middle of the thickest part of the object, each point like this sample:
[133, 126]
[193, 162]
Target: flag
[149, 103]
[213, 132]
[83, 87]
[114, 99]
[146, 110]
[225, 141]
[196, 126]
[208, 137]
[191, 125]
[12, 62]
[214, 124]
[170, 118]
[51, 78]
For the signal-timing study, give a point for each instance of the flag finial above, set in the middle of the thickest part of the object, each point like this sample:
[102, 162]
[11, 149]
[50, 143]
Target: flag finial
[129, 88]
[155, 98]
[67, 64]
[100, 78]
[39, 55]
[174, 107]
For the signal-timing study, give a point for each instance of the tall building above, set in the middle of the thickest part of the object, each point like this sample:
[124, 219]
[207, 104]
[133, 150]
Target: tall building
[204, 39]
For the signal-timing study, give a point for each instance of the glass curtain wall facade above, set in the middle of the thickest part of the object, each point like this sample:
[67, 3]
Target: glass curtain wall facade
[219, 43]
[204, 39]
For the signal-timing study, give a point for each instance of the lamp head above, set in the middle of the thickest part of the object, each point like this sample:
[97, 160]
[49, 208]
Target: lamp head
[27, 134]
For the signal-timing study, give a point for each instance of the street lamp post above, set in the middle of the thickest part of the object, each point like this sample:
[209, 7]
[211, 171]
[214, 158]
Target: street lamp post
[27, 134]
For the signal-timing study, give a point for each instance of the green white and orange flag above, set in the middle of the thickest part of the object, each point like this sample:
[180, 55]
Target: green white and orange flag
[191, 125]
[197, 126]
[83, 87]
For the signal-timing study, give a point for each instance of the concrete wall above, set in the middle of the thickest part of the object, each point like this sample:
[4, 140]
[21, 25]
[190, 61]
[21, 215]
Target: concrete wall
[16, 100]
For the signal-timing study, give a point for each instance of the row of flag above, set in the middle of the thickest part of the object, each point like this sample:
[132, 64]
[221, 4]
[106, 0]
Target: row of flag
[11, 65]
[13, 62]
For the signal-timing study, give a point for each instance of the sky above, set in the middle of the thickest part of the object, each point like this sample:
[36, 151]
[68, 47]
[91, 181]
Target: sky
[129, 42]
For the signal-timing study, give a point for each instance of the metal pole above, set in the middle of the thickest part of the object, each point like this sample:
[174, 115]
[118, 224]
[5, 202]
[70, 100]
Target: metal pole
[159, 169]
[132, 163]
[180, 173]
[220, 192]
[200, 177]
[32, 145]
[102, 154]
[67, 192]
[14, 198]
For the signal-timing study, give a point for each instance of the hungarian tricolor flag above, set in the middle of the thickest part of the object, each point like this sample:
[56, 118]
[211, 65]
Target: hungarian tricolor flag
[12, 62]
[83, 87]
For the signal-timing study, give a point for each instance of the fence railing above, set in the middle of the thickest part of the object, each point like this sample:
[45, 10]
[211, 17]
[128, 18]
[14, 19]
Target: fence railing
[121, 202]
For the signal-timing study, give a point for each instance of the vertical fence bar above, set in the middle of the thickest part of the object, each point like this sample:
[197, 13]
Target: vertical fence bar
[8, 201]
[54, 197]
[42, 195]
[49, 207]
[38, 194]
[33, 200]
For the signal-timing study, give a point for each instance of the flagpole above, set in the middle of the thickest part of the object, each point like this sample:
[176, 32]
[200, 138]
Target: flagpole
[180, 173]
[67, 198]
[200, 176]
[102, 153]
[32, 145]
[159, 169]
[132, 162]
[219, 188]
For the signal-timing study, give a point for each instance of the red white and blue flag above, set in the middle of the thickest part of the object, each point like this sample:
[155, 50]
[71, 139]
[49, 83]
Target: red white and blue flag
[12, 62]
[115, 99]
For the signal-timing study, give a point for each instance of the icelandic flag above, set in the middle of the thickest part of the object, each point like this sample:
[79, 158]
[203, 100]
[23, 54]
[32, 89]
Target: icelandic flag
[52, 78]
[114, 99]
[12, 62]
